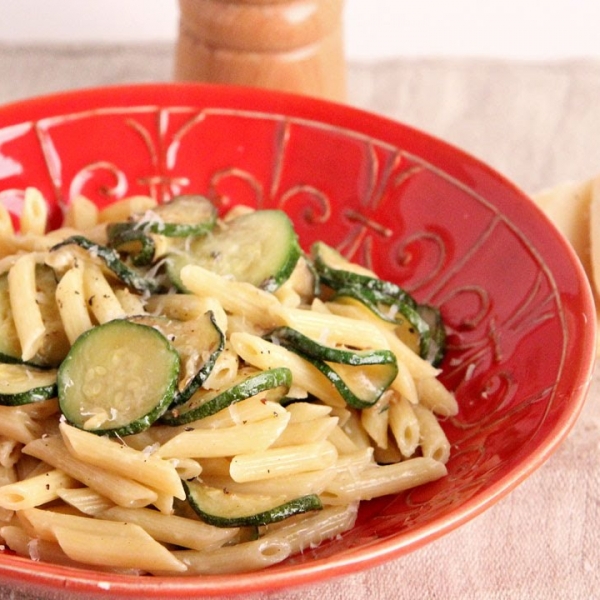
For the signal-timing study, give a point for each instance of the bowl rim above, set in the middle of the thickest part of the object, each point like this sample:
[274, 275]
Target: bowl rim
[18, 570]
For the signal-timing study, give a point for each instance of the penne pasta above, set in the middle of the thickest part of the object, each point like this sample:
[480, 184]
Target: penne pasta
[405, 426]
[152, 471]
[378, 480]
[121, 490]
[228, 469]
[278, 462]
[34, 491]
[225, 441]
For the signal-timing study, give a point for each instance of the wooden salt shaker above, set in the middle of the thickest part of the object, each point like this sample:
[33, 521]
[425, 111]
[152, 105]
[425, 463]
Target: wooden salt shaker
[290, 45]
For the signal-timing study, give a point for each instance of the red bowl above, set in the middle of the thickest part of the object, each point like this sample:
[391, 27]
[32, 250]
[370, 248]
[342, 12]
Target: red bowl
[418, 211]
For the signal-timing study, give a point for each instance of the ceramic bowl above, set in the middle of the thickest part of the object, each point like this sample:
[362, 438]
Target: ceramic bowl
[420, 212]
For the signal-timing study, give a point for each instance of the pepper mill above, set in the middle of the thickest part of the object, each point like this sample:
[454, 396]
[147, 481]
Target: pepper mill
[290, 45]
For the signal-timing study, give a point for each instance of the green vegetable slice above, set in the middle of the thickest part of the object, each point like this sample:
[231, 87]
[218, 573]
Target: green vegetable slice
[248, 383]
[335, 271]
[118, 378]
[418, 325]
[360, 376]
[198, 341]
[130, 277]
[128, 239]
[182, 216]
[260, 248]
[24, 384]
[222, 508]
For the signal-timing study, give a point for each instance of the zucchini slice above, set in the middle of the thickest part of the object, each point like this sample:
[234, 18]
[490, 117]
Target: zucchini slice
[248, 383]
[360, 376]
[181, 217]
[198, 342]
[221, 508]
[130, 277]
[128, 239]
[420, 326]
[24, 384]
[118, 378]
[260, 248]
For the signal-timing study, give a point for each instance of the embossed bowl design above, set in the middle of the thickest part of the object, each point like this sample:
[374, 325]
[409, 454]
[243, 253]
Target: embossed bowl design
[418, 211]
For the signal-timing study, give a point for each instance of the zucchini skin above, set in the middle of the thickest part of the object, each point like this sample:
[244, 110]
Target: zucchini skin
[35, 393]
[112, 260]
[71, 379]
[121, 236]
[322, 358]
[193, 490]
[238, 250]
[250, 386]
[374, 292]
[184, 393]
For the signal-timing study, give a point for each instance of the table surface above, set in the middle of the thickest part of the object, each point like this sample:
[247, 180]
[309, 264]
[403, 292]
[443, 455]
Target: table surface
[539, 124]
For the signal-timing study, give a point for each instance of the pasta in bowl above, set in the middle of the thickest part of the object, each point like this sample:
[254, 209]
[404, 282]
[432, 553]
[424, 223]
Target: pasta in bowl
[233, 352]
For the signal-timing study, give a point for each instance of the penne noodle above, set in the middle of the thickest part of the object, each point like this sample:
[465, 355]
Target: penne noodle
[85, 500]
[226, 441]
[379, 480]
[308, 533]
[81, 213]
[112, 456]
[24, 305]
[433, 440]
[305, 432]
[335, 330]
[120, 490]
[171, 529]
[100, 296]
[17, 424]
[279, 462]
[433, 395]
[241, 558]
[72, 304]
[34, 491]
[375, 420]
[34, 218]
[239, 298]
[405, 426]
[265, 355]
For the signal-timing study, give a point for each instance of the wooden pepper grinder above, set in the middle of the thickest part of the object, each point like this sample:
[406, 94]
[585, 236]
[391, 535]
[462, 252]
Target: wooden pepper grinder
[291, 45]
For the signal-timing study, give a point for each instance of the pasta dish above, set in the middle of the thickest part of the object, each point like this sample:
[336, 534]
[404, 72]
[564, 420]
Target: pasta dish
[186, 393]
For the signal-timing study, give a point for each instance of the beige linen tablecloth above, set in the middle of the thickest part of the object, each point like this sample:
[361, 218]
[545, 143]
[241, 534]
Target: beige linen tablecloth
[539, 124]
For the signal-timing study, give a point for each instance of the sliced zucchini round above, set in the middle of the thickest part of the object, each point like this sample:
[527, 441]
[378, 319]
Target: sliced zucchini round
[248, 383]
[260, 248]
[420, 326]
[24, 384]
[130, 277]
[199, 343]
[129, 239]
[118, 378]
[335, 271]
[222, 508]
[182, 216]
[360, 376]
